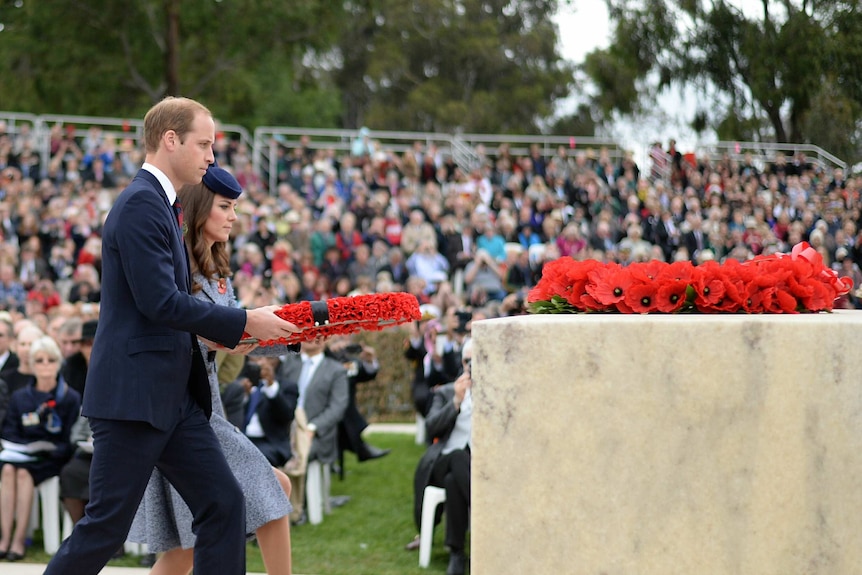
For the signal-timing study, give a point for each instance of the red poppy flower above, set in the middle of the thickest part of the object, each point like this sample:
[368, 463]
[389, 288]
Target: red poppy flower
[670, 297]
[640, 296]
[608, 284]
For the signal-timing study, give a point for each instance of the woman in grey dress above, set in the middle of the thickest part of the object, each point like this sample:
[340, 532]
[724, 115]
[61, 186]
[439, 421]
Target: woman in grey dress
[163, 520]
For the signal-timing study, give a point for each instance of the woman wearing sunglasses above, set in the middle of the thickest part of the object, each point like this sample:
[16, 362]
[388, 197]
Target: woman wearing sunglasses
[36, 442]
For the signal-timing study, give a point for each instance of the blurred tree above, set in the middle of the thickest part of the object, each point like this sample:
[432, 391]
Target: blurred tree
[442, 66]
[427, 65]
[768, 74]
[243, 58]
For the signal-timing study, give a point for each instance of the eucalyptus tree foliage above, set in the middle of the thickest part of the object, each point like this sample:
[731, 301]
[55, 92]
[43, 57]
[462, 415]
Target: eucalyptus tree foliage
[762, 74]
[103, 57]
[448, 65]
[442, 65]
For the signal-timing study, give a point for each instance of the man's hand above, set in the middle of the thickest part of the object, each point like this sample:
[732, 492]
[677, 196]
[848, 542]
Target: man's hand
[263, 324]
[368, 354]
[462, 384]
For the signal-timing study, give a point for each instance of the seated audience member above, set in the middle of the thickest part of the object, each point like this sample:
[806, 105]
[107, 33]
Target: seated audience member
[74, 368]
[269, 410]
[446, 463]
[43, 411]
[484, 279]
[8, 358]
[426, 355]
[231, 389]
[86, 286]
[13, 294]
[23, 375]
[69, 336]
[75, 475]
[323, 396]
[396, 266]
[427, 263]
[361, 364]
[42, 297]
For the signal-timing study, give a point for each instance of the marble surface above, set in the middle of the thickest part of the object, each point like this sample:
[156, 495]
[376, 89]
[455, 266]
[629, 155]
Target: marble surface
[690, 445]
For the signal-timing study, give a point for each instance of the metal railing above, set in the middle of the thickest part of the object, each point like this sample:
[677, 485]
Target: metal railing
[767, 152]
[117, 129]
[269, 143]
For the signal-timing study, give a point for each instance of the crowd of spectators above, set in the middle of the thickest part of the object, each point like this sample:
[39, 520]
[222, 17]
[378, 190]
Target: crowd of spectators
[468, 242]
[374, 220]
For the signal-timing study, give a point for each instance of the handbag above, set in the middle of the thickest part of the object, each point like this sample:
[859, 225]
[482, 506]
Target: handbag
[300, 444]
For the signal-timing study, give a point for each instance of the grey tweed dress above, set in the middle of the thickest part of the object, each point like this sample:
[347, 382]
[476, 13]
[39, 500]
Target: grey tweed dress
[163, 520]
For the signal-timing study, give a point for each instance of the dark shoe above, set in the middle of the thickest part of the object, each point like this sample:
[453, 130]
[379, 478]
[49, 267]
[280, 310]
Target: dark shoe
[338, 500]
[12, 556]
[367, 452]
[457, 563]
[413, 545]
[303, 519]
[3, 554]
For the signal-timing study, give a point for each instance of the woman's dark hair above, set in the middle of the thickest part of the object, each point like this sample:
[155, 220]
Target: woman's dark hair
[211, 262]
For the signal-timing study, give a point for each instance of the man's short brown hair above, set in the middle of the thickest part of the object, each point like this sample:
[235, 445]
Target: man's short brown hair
[172, 113]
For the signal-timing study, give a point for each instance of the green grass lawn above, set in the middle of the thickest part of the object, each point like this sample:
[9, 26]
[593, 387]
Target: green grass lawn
[364, 537]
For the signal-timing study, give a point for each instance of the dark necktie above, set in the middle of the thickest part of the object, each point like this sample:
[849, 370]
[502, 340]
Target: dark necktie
[178, 210]
[253, 399]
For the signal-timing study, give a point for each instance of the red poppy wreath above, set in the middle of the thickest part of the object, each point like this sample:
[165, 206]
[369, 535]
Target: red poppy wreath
[344, 315]
[797, 282]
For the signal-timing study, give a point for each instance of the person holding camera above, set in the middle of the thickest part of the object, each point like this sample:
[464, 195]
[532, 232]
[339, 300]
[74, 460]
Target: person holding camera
[484, 279]
[269, 410]
[430, 349]
[446, 463]
[361, 364]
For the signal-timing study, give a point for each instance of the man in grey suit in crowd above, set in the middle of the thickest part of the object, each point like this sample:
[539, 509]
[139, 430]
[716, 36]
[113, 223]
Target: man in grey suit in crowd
[323, 395]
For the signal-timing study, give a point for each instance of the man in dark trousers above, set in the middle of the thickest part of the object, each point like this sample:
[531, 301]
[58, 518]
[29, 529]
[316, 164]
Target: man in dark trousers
[446, 463]
[361, 364]
[148, 398]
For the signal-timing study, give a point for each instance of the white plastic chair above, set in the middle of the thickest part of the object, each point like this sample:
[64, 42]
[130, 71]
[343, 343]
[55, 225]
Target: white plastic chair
[317, 484]
[47, 495]
[431, 498]
[130, 547]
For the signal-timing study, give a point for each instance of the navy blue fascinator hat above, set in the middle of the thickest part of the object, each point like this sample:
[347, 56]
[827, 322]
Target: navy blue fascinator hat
[222, 182]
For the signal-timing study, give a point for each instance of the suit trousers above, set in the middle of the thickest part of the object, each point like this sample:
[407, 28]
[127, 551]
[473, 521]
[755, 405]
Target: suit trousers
[189, 456]
[452, 472]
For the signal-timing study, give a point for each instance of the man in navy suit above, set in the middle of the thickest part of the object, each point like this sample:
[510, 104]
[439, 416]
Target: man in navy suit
[147, 397]
[270, 410]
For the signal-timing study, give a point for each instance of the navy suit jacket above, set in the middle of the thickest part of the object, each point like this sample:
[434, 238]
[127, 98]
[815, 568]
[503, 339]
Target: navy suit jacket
[144, 356]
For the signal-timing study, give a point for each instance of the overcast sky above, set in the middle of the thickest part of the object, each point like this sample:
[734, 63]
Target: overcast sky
[585, 27]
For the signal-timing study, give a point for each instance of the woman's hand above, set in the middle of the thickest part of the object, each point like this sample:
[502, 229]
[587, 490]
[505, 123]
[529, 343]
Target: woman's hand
[240, 349]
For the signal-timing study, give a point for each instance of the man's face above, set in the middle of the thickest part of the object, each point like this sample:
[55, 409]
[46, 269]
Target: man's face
[194, 154]
[70, 344]
[5, 337]
[314, 347]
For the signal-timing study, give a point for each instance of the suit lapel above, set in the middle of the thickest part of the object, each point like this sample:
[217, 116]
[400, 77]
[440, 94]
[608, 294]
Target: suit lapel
[172, 218]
